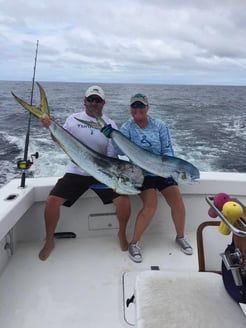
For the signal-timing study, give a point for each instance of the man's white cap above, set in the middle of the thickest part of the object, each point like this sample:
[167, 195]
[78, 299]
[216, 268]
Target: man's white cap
[95, 90]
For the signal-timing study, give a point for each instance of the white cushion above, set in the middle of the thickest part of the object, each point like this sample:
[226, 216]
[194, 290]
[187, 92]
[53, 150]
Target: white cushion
[185, 299]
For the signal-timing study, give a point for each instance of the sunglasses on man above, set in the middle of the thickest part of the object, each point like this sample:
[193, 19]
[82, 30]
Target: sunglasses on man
[98, 100]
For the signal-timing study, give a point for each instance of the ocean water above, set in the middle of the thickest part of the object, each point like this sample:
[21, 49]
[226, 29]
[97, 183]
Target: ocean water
[207, 123]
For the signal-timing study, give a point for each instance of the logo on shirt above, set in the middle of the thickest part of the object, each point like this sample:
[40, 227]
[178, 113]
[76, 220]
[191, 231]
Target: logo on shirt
[85, 126]
[144, 141]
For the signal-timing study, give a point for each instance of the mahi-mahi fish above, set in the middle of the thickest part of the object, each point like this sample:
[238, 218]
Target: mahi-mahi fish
[162, 165]
[120, 175]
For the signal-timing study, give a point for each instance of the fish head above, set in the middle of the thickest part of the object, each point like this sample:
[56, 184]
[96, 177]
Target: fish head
[188, 176]
[127, 188]
[130, 180]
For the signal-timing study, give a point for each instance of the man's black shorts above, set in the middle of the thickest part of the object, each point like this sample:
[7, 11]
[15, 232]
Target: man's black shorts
[72, 186]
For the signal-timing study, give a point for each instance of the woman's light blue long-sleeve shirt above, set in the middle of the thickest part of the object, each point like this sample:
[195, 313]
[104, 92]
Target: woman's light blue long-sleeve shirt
[155, 137]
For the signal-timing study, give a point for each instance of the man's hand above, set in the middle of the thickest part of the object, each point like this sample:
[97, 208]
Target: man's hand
[107, 130]
[46, 121]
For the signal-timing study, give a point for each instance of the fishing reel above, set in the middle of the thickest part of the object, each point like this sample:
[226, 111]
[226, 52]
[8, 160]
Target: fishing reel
[26, 164]
[233, 261]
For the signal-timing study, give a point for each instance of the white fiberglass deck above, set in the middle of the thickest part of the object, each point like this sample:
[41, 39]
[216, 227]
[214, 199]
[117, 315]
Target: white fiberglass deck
[80, 285]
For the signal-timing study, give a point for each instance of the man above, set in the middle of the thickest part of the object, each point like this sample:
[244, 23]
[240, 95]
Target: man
[152, 135]
[77, 181]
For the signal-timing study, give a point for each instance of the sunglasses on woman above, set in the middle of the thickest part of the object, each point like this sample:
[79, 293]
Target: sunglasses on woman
[138, 105]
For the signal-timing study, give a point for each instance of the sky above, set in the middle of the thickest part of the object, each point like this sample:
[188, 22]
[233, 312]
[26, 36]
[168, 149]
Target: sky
[124, 41]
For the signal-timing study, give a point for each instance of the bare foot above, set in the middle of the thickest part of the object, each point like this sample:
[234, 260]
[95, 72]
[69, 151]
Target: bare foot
[123, 241]
[46, 250]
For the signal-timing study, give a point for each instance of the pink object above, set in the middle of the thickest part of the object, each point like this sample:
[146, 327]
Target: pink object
[219, 200]
[212, 213]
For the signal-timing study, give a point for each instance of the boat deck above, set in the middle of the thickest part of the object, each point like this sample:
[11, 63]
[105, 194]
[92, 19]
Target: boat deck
[82, 281]
[86, 281]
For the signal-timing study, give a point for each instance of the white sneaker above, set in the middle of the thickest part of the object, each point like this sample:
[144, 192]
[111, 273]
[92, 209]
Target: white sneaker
[184, 245]
[135, 252]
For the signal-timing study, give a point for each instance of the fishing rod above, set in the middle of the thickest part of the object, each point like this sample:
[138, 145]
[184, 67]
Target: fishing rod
[27, 163]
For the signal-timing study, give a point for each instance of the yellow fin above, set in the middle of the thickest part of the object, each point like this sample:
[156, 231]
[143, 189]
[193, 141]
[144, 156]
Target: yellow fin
[39, 112]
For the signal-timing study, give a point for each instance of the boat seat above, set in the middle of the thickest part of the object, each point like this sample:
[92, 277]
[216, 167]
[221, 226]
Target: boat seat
[185, 300]
[189, 299]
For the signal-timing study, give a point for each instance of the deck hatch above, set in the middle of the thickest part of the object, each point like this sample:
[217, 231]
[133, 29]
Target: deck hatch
[102, 221]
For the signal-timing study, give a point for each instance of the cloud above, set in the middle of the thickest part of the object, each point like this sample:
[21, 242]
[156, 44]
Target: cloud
[144, 41]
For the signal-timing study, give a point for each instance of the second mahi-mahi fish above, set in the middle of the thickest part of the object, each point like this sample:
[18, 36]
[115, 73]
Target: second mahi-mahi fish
[165, 166]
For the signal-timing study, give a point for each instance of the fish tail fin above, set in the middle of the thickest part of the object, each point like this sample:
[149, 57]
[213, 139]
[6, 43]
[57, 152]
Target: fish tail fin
[39, 112]
[99, 119]
[91, 124]
[44, 107]
[94, 125]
